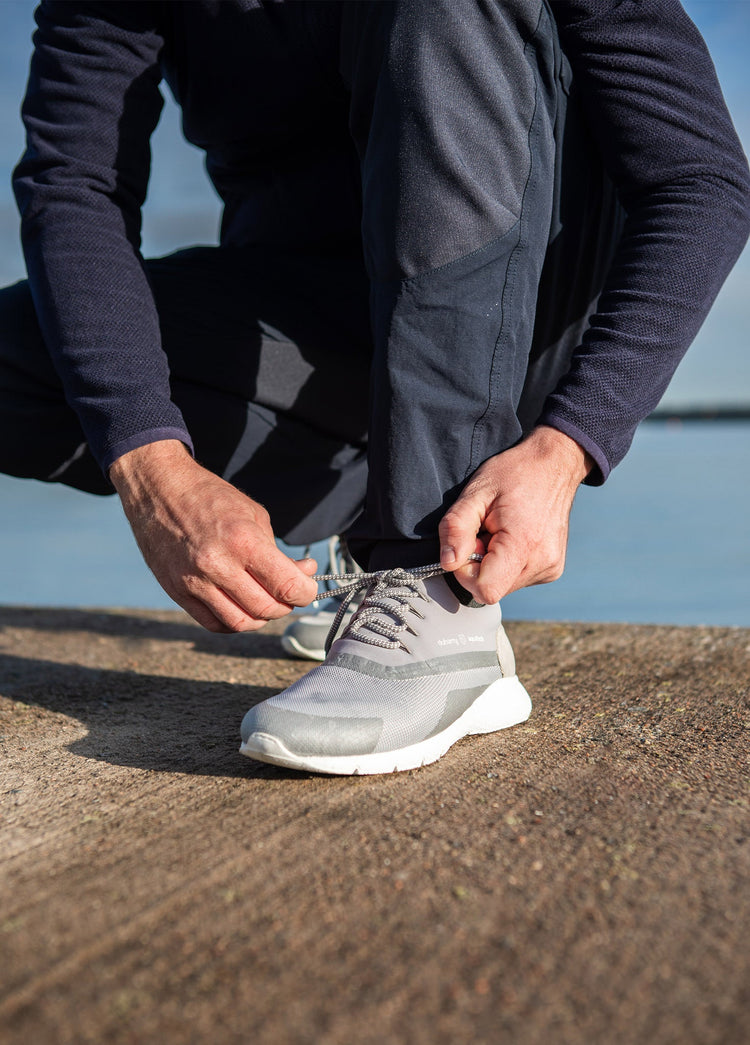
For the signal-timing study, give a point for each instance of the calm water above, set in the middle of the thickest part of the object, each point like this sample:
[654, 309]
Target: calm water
[666, 540]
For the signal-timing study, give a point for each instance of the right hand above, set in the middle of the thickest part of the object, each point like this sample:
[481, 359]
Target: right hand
[514, 511]
[210, 546]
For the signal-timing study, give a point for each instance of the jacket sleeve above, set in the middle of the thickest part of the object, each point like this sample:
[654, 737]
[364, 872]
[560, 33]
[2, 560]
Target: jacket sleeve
[91, 105]
[653, 101]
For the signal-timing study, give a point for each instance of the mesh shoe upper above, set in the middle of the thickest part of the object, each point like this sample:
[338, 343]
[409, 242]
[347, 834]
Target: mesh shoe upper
[409, 663]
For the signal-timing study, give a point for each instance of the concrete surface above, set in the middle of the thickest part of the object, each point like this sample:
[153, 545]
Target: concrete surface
[582, 878]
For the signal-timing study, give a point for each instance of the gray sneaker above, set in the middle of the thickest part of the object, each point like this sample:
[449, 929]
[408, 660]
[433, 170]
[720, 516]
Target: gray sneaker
[414, 671]
[307, 633]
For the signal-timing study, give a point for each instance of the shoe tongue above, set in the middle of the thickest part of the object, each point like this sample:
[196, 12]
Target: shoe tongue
[464, 597]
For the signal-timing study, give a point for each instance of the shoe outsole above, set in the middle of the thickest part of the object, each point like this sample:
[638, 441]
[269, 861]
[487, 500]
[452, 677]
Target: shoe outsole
[504, 703]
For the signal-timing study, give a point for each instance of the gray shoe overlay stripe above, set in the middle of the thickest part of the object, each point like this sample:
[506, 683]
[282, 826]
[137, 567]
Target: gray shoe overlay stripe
[456, 702]
[434, 666]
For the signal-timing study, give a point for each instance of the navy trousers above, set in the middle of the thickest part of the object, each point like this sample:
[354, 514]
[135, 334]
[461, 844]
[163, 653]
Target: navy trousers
[356, 390]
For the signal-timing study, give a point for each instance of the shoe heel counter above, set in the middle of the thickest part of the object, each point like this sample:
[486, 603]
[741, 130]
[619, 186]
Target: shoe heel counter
[505, 654]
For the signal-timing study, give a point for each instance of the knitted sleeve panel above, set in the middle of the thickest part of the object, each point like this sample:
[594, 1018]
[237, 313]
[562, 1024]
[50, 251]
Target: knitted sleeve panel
[651, 95]
[92, 103]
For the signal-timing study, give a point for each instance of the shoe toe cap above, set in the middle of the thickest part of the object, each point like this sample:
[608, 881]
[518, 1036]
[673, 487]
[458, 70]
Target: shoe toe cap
[304, 734]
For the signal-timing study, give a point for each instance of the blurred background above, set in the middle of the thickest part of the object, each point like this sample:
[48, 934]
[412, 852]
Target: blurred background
[666, 540]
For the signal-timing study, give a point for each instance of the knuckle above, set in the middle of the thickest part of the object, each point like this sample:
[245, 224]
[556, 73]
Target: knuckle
[235, 622]
[447, 527]
[193, 584]
[556, 572]
[553, 564]
[254, 625]
[206, 561]
[288, 590]
[265, 609]
[488, 593]
[546, 571]
[260, 515]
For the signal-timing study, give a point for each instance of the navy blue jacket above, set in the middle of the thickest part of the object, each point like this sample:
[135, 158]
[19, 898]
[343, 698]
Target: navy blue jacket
[651, 98]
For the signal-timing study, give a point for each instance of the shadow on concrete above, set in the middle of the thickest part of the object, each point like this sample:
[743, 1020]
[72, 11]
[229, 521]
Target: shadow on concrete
[150, 722]
[141, 624]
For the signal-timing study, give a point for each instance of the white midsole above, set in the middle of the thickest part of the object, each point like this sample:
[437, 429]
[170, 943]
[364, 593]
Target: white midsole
[504, 703]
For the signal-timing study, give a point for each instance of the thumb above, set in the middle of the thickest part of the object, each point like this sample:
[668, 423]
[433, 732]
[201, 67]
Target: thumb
[308, 566]
[458, 530]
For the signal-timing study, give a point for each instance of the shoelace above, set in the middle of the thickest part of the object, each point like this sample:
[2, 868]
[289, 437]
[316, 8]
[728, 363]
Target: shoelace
[340, 565]
[387, 594]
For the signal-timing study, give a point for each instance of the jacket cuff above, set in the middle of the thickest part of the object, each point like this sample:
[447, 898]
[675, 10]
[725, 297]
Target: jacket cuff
[151, 435]
[602, 467]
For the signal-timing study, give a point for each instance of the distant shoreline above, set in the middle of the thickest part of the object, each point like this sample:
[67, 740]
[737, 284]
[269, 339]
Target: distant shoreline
[735, 412]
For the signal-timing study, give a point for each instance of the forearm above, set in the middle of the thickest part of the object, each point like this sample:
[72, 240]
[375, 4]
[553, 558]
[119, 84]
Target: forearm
[100, 325]
[652, 306]
[650, 94]
[91, 105]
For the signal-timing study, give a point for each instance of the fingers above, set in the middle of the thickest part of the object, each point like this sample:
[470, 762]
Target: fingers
[231, 601]
[203, 615]
[223, 593]
[284, 582]
[508, 565]
[498, 574]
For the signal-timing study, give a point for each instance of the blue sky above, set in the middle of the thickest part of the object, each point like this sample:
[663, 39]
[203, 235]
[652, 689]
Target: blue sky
[183, 209]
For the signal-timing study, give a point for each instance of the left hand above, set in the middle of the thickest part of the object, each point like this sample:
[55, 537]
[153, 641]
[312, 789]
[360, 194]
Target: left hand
[210, 546]
[515, 511]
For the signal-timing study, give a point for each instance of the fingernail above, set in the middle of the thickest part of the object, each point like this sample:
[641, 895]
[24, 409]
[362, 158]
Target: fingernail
[447, 556]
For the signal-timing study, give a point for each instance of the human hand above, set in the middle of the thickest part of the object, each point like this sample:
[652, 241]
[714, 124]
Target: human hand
[514, 511]
[210, 546]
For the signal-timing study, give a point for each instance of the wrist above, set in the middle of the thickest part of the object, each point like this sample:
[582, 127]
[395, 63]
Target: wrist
[135, 469]
[556, 447]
